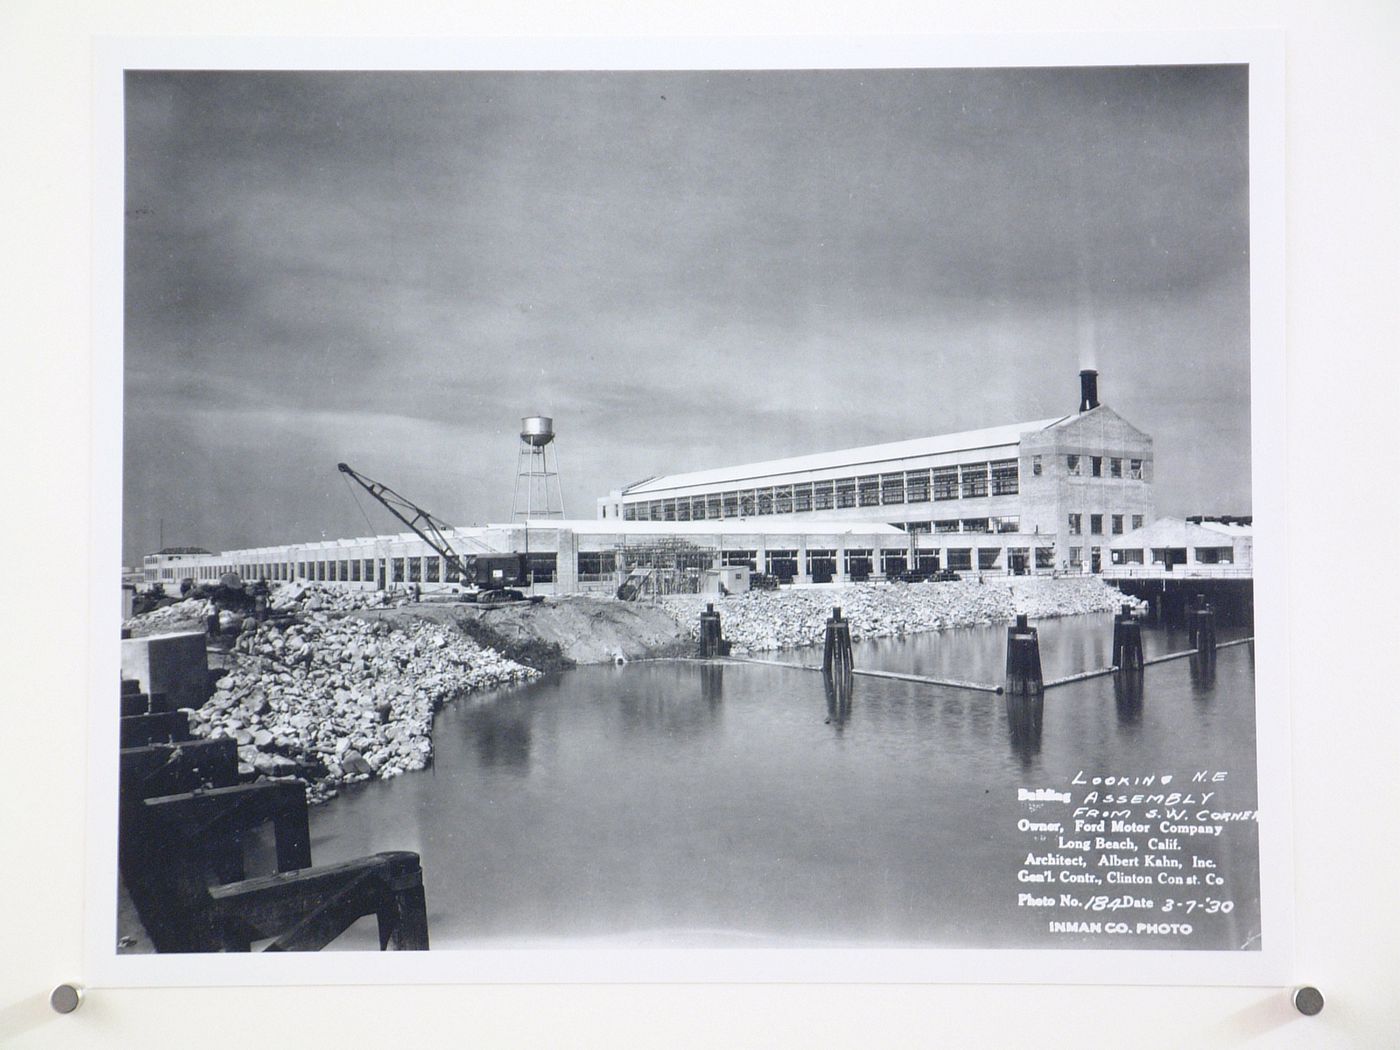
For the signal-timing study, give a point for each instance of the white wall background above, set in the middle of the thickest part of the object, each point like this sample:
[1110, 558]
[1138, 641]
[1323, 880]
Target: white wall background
[1343, 283]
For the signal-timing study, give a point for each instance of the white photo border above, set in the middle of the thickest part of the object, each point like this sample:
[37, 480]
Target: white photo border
[1261, 50]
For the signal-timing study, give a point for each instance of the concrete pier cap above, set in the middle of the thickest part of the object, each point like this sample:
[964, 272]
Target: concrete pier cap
[175, 664]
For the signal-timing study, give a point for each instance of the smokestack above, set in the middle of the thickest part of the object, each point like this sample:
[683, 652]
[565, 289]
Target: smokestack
[1088, 390]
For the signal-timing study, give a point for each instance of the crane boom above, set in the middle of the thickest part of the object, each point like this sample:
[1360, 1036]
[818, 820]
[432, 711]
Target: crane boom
[428, 528]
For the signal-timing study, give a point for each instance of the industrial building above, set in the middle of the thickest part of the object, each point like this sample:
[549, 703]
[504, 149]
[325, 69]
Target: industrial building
[1053, 492]
[1050, 495]
[1201, 547]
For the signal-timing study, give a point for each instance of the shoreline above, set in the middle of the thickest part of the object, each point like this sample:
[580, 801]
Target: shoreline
[338, 691]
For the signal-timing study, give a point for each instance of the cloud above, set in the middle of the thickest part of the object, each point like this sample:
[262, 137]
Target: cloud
[761, 264]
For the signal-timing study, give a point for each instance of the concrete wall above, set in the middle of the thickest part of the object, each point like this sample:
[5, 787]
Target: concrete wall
[175, 664]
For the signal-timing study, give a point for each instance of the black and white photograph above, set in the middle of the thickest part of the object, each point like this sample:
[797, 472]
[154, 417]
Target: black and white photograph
[639, 509]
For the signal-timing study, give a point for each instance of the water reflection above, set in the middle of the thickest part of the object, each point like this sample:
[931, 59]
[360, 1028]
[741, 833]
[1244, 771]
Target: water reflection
[711, 683]
[504, 743]
[1024, 717]
[708, 803]
[1203, 674]
[649, 703]
[1128, 690]
[839, 688]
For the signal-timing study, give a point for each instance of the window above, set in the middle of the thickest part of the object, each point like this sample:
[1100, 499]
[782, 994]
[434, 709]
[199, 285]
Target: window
[1035, 465]
[1007, 524]
[765, 501]
[916, 488]
[891, 488]
[1076, 524]
[683, 509]
[450, 573]
[629, 512]
[1045, 557]
[1135, 468]
[369, 569]
[1215, 555]
[945, 483]
[945, 526]
[987, 557]
[821, 565]
[1115, 467]
[730, 501]
[1096, 466]
[1076, 555]
[746, 503]
[320, 570]
[344, 571]
[415, 570]
[668, 509]
[974, 480]
[1116, 524]
[541, 567]
[738, 558]
[594, 566]
[802, 497]
[1096, 524]
[846, 492]
[974, 525]
[396, 571]
[892, 563]
[431, 568]
[1124, 556]
[960, 558]
[823, 495]
[1072, 465]
[859, 564]
[713, 505]
[782, 564]
[918, 527]
[1005, 478]
[1137, 521]
[870, 491]
[782, 499]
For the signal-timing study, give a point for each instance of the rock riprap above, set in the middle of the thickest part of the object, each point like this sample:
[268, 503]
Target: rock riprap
[335, 700]
[311, 597]
[791, 617]
[190, 614]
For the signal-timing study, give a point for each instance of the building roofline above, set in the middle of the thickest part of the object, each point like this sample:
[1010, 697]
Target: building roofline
[864, 455]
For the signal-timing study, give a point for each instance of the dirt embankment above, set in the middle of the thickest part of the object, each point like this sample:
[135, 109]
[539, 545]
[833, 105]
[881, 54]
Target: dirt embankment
[587, 630]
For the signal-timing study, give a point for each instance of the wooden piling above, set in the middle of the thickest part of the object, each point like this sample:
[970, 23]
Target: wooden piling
[836, 653]
[710, 636]
[1203, 629]
[1127, 641]
[1023, 675]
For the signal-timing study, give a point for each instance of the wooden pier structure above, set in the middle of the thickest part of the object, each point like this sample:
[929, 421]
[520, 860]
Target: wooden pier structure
[185, 819]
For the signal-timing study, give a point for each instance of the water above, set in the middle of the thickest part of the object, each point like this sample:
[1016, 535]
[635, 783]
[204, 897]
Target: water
[681, 804]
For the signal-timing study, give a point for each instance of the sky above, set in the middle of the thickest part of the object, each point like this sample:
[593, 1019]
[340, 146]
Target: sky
[685, 269]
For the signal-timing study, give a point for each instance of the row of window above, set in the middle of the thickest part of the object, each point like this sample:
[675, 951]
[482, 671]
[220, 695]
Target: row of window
[860, 563]
[425, 569]
[968, 481]
[1075, 464]
[1116, 521]
[1175, 556]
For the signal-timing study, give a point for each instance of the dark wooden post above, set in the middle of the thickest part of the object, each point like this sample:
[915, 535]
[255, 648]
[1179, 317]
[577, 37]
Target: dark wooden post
[1127, 641]
[1203, 629]
[836, 653]
[1023, 677]
[710, 643]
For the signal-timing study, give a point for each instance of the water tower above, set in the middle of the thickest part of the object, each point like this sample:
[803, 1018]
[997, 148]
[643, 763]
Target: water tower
[537, 490]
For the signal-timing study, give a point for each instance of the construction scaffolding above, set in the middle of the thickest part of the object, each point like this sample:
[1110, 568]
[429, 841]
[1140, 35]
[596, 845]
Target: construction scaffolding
[665, 565]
